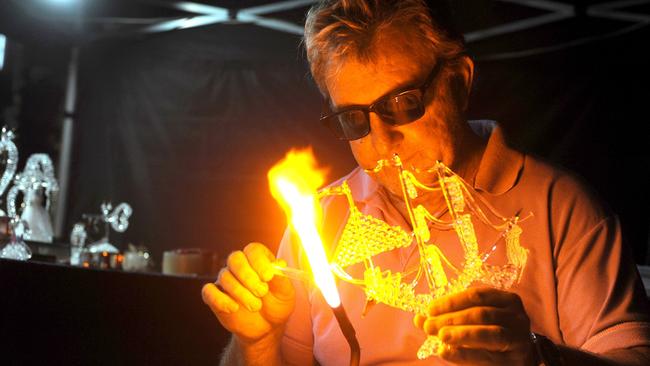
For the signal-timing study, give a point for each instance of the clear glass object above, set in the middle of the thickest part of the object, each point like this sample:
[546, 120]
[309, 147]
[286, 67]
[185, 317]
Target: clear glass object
[37, 184]
[137, 259]
[77, 241]
[16, 248]
[118, 219]
[365, 237]
[7, 144]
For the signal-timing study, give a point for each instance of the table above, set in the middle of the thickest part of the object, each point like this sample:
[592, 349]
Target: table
[58, 314]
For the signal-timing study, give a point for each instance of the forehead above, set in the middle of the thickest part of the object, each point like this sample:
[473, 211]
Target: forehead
[392, 59]
[352, 81]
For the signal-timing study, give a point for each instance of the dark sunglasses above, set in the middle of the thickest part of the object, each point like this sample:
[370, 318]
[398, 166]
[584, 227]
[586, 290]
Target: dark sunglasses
[395, 109]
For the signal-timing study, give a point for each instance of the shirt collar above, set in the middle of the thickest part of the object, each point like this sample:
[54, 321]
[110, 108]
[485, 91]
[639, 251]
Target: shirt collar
[363, 187]
[500, 166]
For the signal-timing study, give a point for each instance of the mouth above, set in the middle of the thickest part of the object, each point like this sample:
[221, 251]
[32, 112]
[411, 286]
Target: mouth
[425, 174]
[381, 164]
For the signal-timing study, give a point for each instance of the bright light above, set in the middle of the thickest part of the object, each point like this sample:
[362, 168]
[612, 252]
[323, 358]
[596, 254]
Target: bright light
[201, 8]
[202, 20]
[61, 2]
[3, 47]
[293, 182]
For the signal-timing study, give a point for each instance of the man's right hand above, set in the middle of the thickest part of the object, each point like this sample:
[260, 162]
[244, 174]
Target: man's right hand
[249, 299]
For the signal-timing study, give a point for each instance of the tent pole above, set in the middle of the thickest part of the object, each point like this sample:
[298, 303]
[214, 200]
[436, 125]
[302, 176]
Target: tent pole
[66, 142]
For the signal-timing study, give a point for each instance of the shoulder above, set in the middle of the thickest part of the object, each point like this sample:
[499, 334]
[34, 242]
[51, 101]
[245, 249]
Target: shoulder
[565, 204]
[565, 192]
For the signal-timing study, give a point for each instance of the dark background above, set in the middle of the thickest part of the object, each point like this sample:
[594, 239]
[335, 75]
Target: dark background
[184, 124]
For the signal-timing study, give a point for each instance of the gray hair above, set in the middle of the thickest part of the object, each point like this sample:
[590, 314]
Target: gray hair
[338, 29]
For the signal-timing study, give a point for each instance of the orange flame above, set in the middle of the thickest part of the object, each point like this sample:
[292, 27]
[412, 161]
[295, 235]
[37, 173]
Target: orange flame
[293, 182]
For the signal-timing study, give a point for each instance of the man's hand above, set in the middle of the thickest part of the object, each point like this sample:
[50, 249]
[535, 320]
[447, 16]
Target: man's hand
[481, 326]
[248, 299]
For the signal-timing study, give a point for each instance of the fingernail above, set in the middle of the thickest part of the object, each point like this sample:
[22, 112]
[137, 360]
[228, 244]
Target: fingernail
[268, 275]
[444, 337]
[261, 289]
[254, 306]
[444, 350]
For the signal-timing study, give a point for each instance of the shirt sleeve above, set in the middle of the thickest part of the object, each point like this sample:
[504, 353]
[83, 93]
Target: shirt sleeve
[602, 304]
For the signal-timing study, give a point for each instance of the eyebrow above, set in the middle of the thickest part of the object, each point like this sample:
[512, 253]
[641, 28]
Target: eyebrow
[406, 86]
[409, 85]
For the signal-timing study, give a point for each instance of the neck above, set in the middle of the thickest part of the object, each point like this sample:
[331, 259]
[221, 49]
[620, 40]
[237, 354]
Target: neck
[469, 152]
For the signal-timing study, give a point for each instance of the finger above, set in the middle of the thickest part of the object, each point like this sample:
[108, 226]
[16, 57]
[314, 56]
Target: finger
[261, 259]
[478, 357]
[278, 304]
[474, 297]
[418, 321]
[487, 337]
[239, 266]
[217, 300]
[482, 315]
[239, 293]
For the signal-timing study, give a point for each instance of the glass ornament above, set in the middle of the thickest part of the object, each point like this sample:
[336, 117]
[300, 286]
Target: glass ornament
[7, 144]
[36, 183]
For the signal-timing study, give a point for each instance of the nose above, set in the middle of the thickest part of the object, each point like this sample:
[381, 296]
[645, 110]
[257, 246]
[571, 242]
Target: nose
[384, 137]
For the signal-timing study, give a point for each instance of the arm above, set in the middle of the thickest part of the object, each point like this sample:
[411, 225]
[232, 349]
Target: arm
[253, 304]
[602, 308]
[263, 352]
[635, 356]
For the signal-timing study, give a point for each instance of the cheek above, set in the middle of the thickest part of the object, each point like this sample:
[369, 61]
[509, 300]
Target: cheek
[363, 153]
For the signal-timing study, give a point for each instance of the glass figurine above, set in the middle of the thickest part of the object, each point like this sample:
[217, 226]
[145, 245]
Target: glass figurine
[7, 144]
[36, 183]
[16, 248]
[118, 219]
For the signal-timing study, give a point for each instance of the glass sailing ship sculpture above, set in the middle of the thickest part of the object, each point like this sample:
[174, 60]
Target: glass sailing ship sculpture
[365, 237]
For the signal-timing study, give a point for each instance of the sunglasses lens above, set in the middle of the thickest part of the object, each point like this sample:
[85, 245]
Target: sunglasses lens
[396, 110]
[349, 125]
[401, 109]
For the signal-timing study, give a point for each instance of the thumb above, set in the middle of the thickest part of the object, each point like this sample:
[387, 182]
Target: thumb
[282, 289]
[279, 301]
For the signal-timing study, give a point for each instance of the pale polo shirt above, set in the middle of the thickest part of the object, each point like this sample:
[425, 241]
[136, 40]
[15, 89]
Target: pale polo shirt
[580, 286]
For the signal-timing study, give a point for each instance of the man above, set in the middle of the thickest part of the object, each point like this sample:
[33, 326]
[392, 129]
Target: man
[398, 83]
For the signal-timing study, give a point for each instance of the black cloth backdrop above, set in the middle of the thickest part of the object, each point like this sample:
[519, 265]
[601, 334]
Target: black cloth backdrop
[184, 126]
[584, 108]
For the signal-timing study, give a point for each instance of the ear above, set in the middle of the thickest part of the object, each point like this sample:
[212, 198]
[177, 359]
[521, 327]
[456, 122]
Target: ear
[466, 76]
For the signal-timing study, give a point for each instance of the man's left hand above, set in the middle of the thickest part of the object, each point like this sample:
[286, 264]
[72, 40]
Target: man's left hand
[481, 326]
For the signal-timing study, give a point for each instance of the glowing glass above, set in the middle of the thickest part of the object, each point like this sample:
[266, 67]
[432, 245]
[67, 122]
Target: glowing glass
[293, 182]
